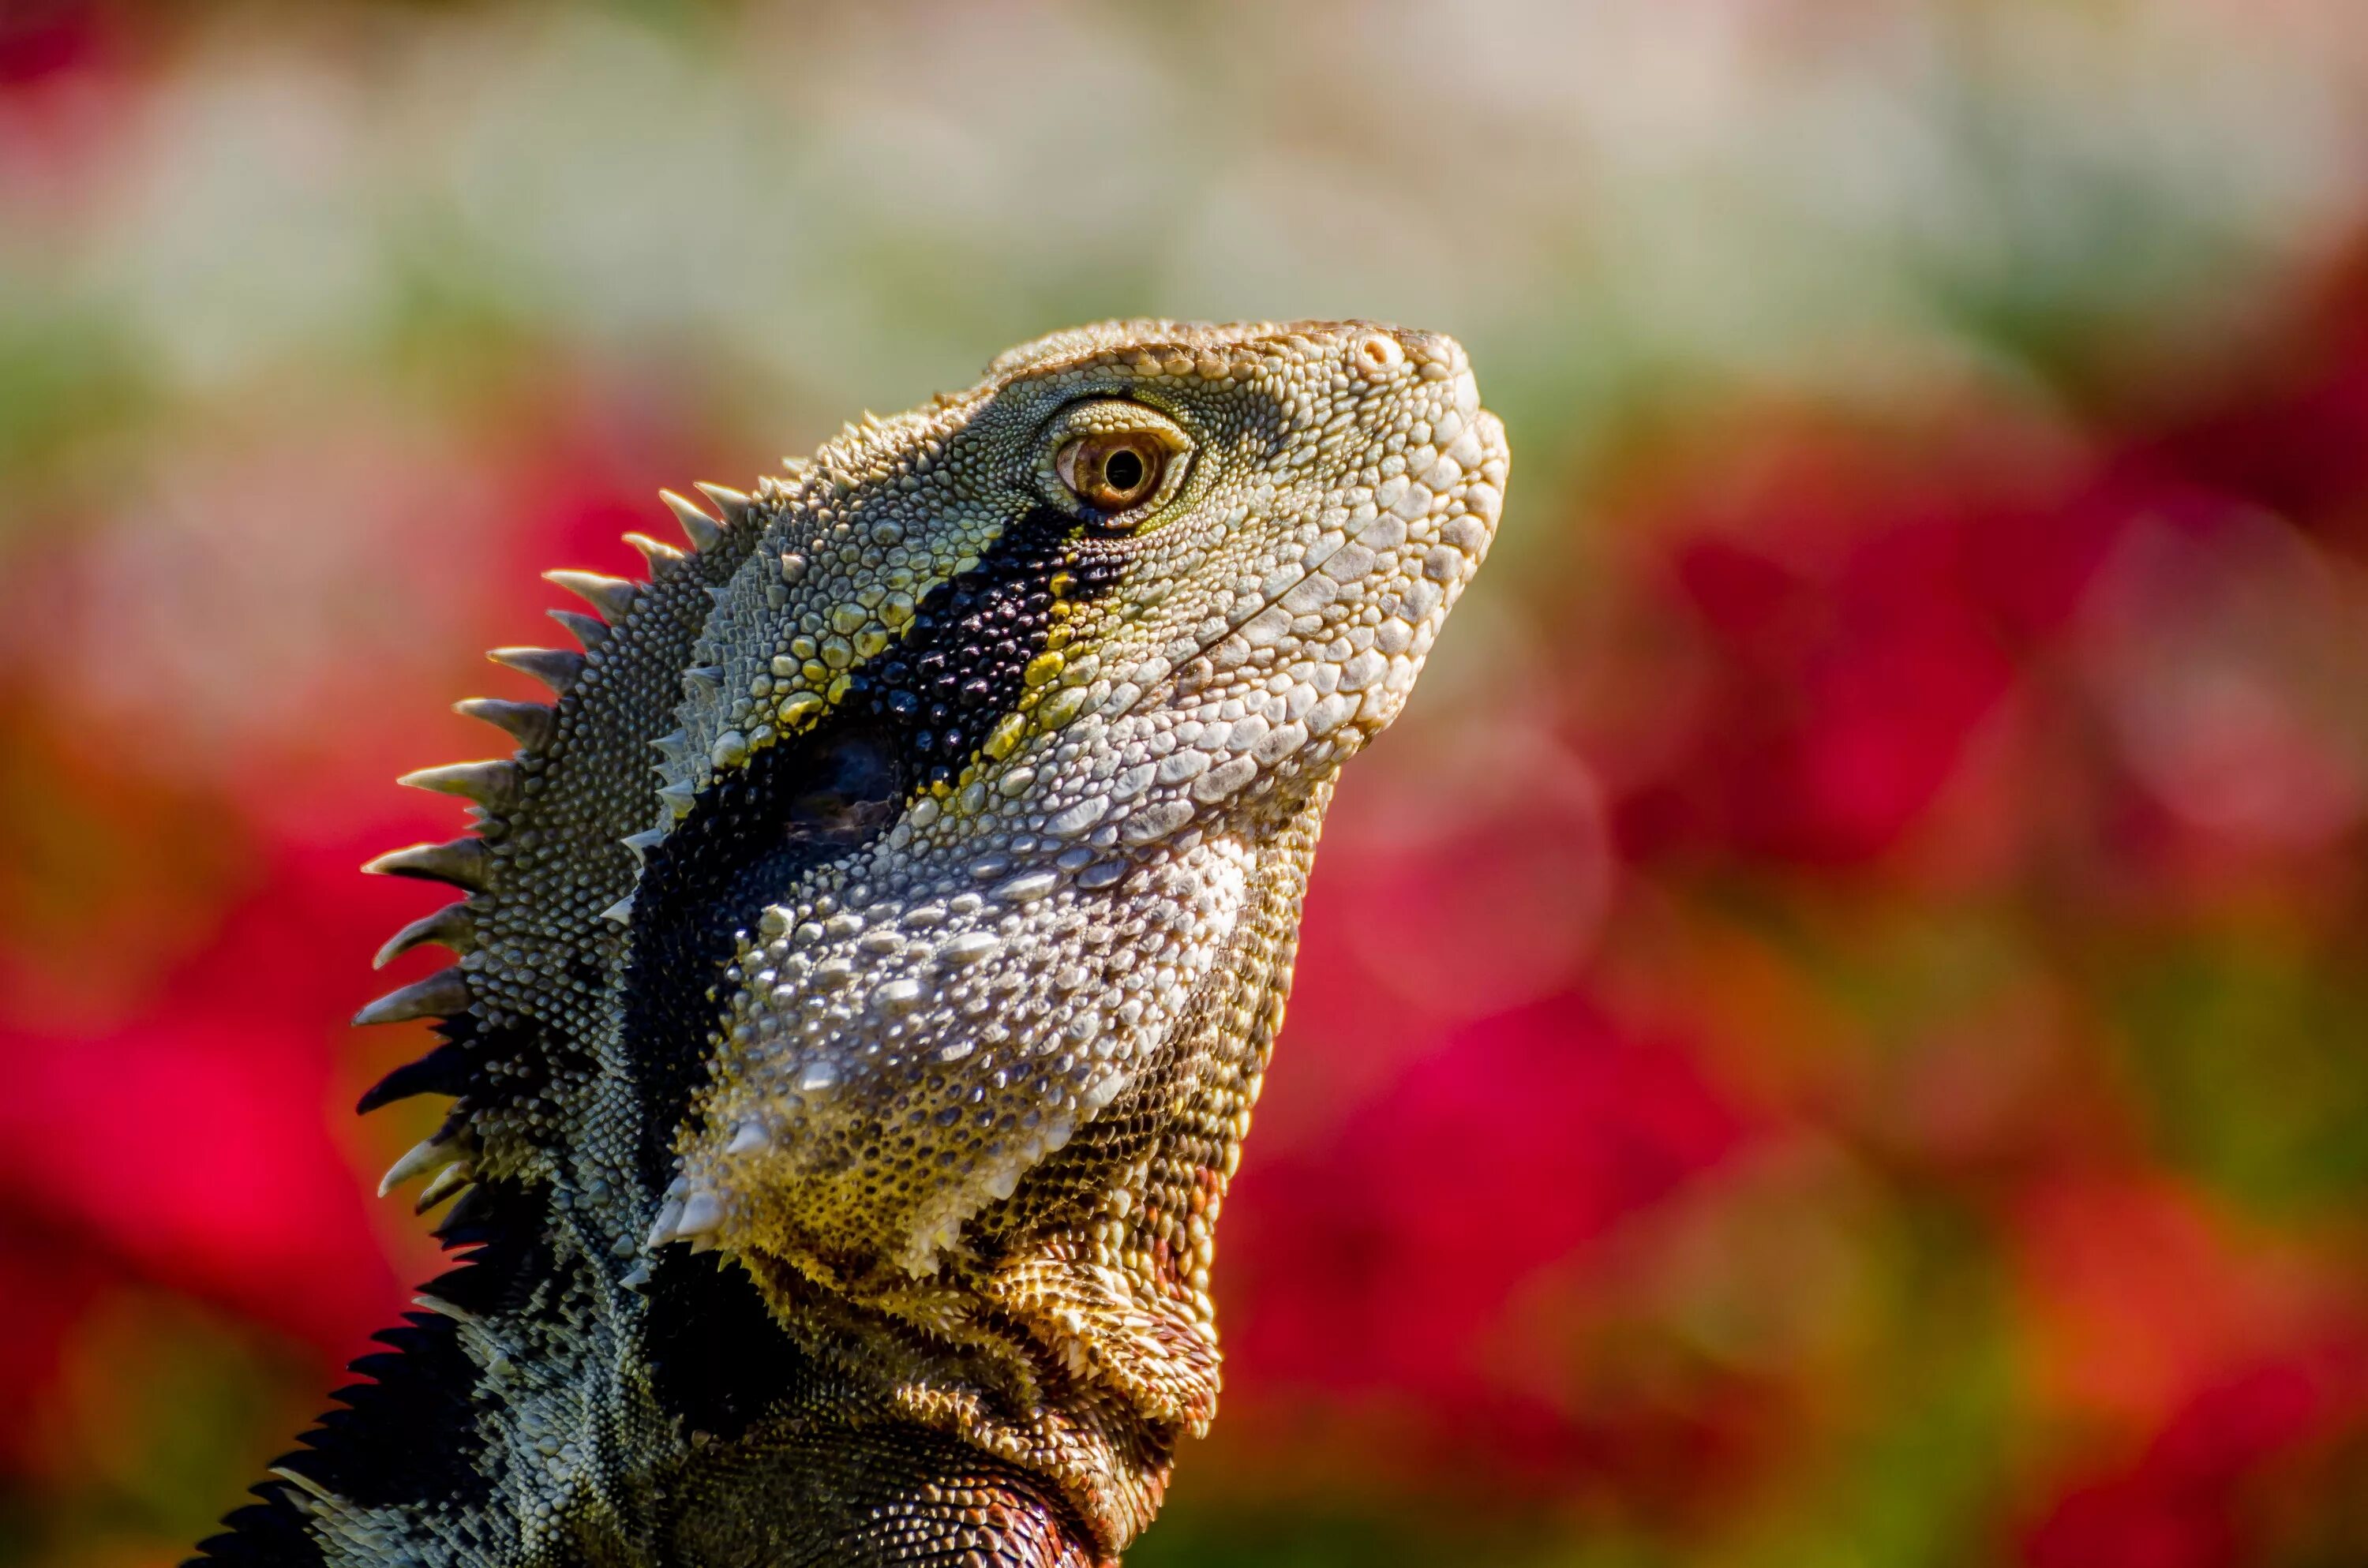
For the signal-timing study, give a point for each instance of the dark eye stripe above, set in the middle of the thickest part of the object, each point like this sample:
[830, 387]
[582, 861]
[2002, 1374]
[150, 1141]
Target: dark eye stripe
[913, 716]
[804, 803]
[958, 671]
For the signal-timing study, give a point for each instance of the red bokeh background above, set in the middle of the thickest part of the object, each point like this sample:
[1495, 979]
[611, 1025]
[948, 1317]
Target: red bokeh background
[1831, 1033]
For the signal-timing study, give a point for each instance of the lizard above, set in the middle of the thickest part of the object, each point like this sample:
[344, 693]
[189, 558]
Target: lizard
[867, 963]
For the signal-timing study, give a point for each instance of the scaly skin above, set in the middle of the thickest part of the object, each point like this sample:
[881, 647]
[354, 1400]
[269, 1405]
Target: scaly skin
[842, 1113]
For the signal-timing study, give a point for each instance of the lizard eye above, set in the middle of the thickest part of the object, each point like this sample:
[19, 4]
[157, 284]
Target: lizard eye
[1114, 462]
[1112, 471]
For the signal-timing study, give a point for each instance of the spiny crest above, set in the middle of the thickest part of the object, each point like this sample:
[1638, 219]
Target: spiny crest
[509, 798]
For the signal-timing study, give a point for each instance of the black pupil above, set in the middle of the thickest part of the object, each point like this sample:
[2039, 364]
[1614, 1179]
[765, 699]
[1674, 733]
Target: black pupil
[1123, 470]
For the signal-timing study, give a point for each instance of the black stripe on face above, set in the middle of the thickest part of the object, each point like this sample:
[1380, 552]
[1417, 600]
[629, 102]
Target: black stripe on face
[911, 718]
[797, 805]
[958, 671]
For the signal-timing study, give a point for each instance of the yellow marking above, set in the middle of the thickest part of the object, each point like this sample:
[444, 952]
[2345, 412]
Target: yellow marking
[1005, 736]
[798, 710]
[1043, 669]
[1059, 706]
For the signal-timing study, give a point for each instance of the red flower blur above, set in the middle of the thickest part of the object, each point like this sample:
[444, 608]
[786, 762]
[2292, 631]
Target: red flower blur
[1829, 1033]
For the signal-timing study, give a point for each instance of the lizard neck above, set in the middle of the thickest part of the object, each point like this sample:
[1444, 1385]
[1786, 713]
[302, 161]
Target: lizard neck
[1063, 1351]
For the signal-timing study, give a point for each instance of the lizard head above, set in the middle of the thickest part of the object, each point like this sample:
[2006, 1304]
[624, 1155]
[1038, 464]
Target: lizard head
[992, 745]
[937, 979]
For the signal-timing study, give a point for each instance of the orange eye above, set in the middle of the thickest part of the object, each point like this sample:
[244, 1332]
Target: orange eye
[1113, 473]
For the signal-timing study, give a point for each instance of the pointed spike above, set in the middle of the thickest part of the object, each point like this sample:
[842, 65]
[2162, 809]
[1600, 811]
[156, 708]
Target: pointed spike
[718, 593]
[621, 912]
[635, 1278]
[657, 552]
[442, 995]
[456, 1228]
[306, 1484]
[674, 746]
[703, 531]
[733, 504]
[451, 926]
[641, 843]
[427, 1152]
[463, 863]
[452, 1309]
[678, 797]
[702, 1211]
[529, 723]
[590, 630]
[555, 667]
[443, 1071]
[492, 784]
[614, 598]
[441, 1185]
[708, 678]
[748, 1138]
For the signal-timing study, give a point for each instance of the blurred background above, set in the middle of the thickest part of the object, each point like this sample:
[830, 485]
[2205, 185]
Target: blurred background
[1835, 1031]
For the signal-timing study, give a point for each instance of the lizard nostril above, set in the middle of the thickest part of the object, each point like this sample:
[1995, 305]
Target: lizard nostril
[1377, 354]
